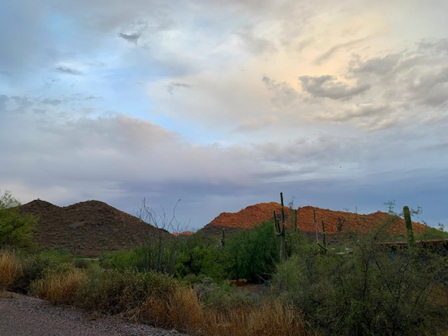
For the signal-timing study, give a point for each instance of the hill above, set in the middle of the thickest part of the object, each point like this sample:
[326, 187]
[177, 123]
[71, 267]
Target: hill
[89, 228]
[335, 221]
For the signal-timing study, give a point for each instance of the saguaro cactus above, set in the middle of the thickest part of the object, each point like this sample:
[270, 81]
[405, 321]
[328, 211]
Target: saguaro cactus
[223, 237]
[280, 230]
[315, 226]
[324, 237]
[409, 231]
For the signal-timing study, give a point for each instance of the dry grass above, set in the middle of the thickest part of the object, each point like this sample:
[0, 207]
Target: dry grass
[10, 269]
[181, 310]
[185, 310]
[60, 288]
[270, 319]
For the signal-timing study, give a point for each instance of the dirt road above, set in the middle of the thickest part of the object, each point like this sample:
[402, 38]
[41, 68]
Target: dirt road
[27, 316]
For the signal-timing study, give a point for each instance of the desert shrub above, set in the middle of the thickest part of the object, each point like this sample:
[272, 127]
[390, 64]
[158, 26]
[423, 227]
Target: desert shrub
[59, 285]
[15, 228]
[117, 260]
[270, 319]
[374, 290]
[116, 292]
[82, 263]
[201, 256]
[179, 309]
[222, 296]
[34, 266]
[10, 268]
[432, 233]
[253, 254]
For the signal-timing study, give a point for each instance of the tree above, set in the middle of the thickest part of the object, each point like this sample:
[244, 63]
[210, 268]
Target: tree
[252, 254]
[15, 228]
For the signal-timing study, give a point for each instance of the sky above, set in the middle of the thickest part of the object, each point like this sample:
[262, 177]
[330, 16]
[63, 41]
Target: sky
[224, 104]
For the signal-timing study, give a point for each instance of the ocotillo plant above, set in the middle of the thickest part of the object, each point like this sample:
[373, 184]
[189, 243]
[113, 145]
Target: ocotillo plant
[280, 231]
[409, 231]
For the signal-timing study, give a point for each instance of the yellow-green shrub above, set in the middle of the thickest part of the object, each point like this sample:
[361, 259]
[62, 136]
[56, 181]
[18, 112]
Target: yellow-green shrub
[60, 287]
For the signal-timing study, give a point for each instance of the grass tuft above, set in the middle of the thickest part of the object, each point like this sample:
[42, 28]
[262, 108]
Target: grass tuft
[60, 287]
[10, 269]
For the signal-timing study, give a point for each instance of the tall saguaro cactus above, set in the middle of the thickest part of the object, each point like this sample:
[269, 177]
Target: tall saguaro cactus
[280, 230]
[409, 230]
[315, 226]
[324, 235]
[223, 237]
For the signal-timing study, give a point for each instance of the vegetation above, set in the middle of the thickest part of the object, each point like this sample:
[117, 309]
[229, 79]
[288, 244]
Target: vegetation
[183, 283]
[10, 269]
[15, 229]
[372, 291]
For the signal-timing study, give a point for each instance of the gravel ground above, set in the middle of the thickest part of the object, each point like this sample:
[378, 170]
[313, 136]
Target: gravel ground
[28, 316]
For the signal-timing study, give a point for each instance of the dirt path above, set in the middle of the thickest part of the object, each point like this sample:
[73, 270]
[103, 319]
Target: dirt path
[27, 316]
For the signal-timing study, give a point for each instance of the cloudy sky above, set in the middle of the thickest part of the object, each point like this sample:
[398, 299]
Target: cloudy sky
[223, 104]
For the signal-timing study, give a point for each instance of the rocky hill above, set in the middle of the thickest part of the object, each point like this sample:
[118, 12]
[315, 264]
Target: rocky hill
[94, 227]
[335, 221]
[89, 228]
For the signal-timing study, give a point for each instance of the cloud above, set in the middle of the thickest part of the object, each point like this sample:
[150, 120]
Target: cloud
[254, 43]
[325, 56]
[284, 94]
[327, 87]
[68, 71]
[361, 112]
[133, 37]
[175, 85]
[379, 66]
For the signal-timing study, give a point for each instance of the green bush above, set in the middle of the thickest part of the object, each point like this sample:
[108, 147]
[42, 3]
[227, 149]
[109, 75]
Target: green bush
[222, 297]
[15, 228]
[116, 292]
[200, 256]
[253, 254]
[373, 291]
[34, 267]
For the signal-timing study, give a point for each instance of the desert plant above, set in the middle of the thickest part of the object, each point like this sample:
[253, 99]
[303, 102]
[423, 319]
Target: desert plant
[161, 249]
[374, 290]
[34, 267]
[10, 268]
[409, 231]
[60, 285]
[252, 254]
[15, 228]
[279, 225]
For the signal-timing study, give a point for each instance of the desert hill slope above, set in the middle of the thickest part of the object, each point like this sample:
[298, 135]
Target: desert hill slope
[89, 228]
[335, 221]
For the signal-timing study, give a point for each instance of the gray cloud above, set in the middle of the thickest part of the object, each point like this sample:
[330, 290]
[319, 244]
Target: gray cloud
[379, 66]
[435, 46]
[328, 87]
[369, 112]
[431, 88]
[175, 85]
[68, 71]
[325, 56]
[284, 94]
[133, 37]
